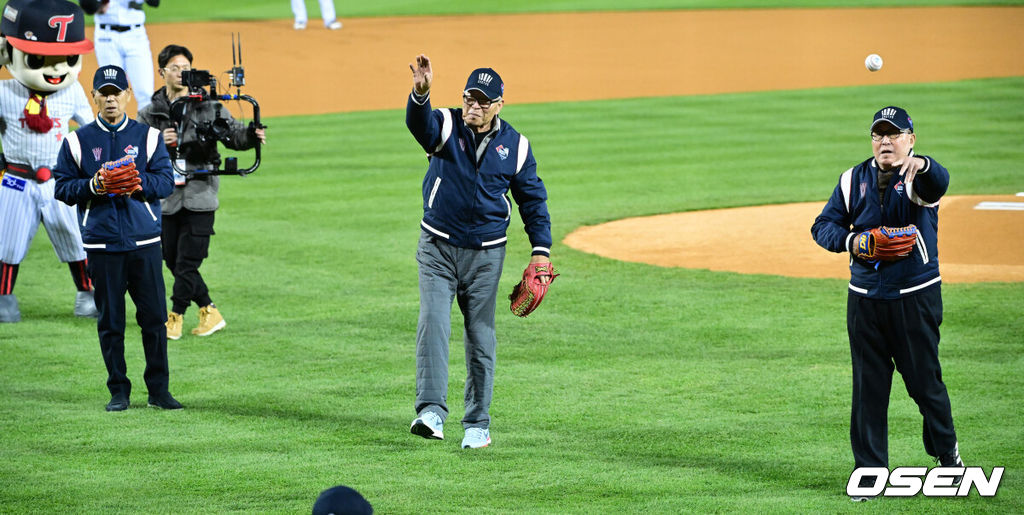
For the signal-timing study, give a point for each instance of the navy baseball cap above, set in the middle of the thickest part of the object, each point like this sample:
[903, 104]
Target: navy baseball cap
[486, 81]
[45, 27]
[110, 75]
[895, 116]
[341, 500]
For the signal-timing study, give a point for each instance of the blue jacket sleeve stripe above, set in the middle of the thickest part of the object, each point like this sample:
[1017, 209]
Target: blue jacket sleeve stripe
[152, 138]
[524, 150]
[831, 229]
[69, 186]
[845, 182]
[422, 123]
[446, 128]
[75, 147]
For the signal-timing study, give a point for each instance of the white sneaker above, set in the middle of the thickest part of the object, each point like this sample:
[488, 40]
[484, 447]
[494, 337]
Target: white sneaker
[428, 425]
[476, 437]
[334, 25]
[299, 25]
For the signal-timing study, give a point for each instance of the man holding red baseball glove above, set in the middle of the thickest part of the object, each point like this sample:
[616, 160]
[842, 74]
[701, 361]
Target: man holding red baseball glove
[116, 170]
[475, 160]
[884, 213]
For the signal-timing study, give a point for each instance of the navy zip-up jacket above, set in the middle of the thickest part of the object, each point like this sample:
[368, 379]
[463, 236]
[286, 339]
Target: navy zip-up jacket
[118, 223]
[855, 206]
[464, 190]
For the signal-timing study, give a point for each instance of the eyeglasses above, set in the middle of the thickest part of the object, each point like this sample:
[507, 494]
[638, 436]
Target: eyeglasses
[470, 100]
[176, 68]
[892, 137]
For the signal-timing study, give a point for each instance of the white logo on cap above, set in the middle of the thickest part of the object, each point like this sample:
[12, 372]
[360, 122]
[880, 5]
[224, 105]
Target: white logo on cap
[888, 112]
[110, 74]
[484, 78]
[11, 13]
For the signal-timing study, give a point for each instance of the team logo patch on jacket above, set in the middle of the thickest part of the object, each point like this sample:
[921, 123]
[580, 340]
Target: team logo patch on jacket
[863, 188]
[131, 150]
[97, 153]
[502, 152]
[899, 188]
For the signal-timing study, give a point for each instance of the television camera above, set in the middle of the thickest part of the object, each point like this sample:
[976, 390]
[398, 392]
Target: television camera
[202, 87]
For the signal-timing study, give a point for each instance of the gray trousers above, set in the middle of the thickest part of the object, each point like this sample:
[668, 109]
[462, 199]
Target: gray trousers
[447, 272]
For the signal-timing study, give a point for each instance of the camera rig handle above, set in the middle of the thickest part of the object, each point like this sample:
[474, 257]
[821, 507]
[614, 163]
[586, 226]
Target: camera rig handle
[231, 163]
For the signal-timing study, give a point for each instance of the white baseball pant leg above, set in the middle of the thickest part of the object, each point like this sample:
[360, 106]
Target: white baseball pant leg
[138, 63]
[61, 223]
[19, 218]
[327, 11]
[299, 10]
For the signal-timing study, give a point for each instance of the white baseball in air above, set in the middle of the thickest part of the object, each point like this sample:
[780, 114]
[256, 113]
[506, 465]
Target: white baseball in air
[873, 62]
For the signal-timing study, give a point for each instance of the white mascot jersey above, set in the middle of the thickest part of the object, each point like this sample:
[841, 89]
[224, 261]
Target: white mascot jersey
[45, 28]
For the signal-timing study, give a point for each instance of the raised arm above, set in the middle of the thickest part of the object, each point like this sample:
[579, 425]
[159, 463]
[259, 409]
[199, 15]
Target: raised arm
[424, 124]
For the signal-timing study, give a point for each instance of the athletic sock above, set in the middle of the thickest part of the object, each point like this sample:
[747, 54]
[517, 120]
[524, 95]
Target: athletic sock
[80, 274]
[8, 274]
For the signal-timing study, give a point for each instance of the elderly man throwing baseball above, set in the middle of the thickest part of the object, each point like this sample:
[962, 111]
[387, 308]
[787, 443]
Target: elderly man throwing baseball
[884, 213]
[476, 158]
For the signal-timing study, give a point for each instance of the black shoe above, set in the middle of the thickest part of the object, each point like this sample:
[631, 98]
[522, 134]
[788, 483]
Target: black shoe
[164, 401]
[952, 460]
[118, 403]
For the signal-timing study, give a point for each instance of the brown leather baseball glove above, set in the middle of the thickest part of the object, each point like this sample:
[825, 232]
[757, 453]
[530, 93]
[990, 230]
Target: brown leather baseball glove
[526, 296]
[885, 243]
[120, 177]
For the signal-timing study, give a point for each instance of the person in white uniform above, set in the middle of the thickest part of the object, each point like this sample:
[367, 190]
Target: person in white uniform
[36, 107]
[326, 11]
[121, 40]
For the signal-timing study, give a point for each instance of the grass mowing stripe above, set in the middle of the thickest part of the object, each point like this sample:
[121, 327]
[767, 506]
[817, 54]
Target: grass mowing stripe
[635, 388]
[196, 10]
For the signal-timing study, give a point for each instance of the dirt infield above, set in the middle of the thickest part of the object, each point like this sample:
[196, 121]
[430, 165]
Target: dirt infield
[975, 244]
[592, 56]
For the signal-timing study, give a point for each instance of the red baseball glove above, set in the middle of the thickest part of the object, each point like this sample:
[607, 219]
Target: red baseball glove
[526, 296]
[120, 177]
[885, 243]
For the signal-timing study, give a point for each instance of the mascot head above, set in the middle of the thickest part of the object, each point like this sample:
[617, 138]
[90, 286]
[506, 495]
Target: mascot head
[42, 43]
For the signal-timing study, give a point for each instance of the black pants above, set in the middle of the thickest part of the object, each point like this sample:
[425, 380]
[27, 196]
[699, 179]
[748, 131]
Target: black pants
[186, 239]
[140, 274]
[904, 332]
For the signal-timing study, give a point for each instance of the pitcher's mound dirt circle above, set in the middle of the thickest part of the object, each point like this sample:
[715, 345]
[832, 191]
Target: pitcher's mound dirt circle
[975, 245]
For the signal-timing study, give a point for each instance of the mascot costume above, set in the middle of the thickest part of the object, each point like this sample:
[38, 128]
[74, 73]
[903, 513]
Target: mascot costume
[42, 44]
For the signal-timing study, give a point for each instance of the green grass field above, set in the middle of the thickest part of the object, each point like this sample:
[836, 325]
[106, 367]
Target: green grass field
[633, 389]
[188, 10]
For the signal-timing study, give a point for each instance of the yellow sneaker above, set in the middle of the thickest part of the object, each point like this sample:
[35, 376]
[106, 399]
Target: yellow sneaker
[174, 321]
[210, 321]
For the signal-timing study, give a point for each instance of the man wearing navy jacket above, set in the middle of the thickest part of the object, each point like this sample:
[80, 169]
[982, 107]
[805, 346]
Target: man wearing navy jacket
[121, 233]
[894, 308]
[476, 158]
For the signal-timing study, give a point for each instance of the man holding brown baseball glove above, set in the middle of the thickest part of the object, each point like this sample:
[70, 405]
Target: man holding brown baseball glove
[884, 213]
[116, 170]
[475, 160]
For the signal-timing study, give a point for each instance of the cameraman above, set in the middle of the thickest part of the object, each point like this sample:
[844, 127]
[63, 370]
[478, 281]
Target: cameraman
[189, 211]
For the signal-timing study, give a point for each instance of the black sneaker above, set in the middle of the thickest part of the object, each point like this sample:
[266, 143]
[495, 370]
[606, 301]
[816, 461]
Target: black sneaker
[164, 401]
[118, 403]
[865, 482]
[952, 460]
